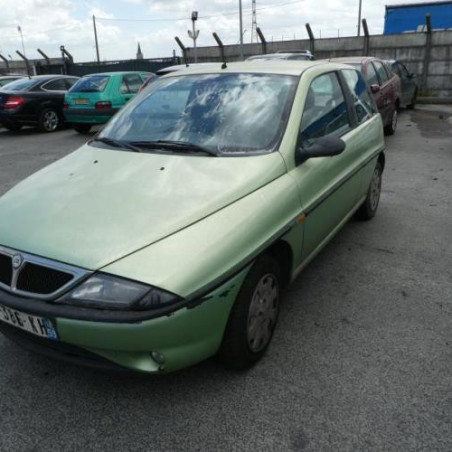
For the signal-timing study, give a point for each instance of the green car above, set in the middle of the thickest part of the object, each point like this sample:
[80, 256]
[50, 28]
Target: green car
[169, 237]
[95, 98]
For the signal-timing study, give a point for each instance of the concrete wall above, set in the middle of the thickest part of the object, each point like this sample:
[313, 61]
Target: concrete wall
[430, 58]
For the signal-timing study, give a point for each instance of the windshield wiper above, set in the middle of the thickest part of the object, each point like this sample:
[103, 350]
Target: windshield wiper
[176, 146]
[117, 143]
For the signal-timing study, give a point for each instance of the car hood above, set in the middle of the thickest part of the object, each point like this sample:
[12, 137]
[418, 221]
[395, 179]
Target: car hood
[98, 205]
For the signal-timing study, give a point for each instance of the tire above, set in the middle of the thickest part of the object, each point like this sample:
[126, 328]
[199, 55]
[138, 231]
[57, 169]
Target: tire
[48, 120]
[13, 126]
[82, 128]
[413, 101]
[369, 207]
[392, 126]
[253, 317]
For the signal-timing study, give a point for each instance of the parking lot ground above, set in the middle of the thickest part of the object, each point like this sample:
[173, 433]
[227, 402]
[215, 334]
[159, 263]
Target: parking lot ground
[361, 358]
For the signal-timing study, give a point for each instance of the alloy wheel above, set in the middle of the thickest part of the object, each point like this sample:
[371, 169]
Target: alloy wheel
[50, 120]
[262, 313]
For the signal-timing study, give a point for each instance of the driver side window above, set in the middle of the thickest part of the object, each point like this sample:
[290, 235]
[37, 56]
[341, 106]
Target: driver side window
[325, 111]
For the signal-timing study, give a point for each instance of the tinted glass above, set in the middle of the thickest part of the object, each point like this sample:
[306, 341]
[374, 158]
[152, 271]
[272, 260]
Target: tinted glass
[91, 84]
[70, 82]
[55, 85]
[397, 69]
[131, 84]
[299, 57]
[404, 70]
[372, 78]
[363, 101]
[381, 71]
[5, 81]
[22, 84]
[228, 113]
[325, 111]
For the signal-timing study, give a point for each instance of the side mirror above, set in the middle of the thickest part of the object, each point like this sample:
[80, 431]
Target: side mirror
[324, 147]
[375, 88]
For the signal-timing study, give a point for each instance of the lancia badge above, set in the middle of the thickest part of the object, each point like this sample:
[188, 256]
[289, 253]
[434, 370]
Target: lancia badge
[17, 261]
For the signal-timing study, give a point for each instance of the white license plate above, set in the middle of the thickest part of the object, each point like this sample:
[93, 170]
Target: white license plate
[38, 326]
[82, 101]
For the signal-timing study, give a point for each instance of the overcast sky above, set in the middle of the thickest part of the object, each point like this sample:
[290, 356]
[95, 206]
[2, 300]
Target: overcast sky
[47, 24]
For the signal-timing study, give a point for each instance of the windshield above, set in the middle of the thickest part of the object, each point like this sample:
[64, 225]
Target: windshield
[21, 85]
[91, 84]
[225, 113]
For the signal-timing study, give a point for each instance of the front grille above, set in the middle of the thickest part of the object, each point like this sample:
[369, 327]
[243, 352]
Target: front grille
[6, 269]
[41, 280]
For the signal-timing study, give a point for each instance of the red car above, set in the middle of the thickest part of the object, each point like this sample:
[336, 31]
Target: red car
[385, 85]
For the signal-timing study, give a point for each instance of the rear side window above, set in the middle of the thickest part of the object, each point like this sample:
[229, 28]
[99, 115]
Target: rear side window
[131, 84]
[22, 84]
[55, 85]
[381, 71]
[325, 112]
[70, 82]
[91, 84]
[362, 99]
[372, 78]
[396, 69]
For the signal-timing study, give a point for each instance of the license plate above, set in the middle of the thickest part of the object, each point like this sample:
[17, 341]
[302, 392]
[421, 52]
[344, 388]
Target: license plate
[38, 326]
[82, 101]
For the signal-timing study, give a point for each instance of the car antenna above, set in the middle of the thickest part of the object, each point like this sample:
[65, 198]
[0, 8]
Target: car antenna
[221, 46]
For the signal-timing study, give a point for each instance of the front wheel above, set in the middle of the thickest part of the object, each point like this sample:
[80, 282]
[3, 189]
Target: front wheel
[82, 128]
[392, 126]
[369, 207]
[48, 120]
[253, 317]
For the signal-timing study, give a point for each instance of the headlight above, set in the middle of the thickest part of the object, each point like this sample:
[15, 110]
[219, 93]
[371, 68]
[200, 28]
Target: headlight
[109, 292]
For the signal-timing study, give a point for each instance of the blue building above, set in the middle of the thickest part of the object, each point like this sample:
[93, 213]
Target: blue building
[411, 17]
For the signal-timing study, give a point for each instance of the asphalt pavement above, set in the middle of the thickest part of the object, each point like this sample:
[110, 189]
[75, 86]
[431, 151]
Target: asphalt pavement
[361, 358]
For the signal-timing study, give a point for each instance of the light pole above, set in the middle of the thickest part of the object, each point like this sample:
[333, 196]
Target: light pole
[359, 17]
[241, 30]
[19, 29]
[195, 33]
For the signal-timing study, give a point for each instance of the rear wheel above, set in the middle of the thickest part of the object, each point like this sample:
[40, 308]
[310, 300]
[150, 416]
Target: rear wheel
[82, 128]
[253, 317]
[48, 120]
[392, 126]
[369, 208]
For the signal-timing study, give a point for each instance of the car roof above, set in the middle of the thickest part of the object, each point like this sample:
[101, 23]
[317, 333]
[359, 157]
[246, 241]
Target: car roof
[180, 67]
[49, 76]
[353, 59]
[281, 54]
[283, 67]
[109, 74]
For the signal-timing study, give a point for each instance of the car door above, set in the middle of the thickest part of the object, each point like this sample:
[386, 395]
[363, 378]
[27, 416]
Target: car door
[53, 92]
[386, 102]
[129, 87]
[329, 187]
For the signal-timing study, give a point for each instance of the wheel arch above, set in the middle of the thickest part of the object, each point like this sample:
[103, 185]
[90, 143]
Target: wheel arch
[382, 160]
[282, 253]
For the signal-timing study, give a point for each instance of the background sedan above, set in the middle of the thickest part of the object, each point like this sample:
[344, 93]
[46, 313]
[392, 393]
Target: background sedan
[34, 101]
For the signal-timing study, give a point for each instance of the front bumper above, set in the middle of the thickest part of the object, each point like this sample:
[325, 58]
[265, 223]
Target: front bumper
[183, 337]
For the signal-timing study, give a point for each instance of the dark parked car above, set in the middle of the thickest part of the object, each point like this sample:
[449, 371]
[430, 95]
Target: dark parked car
[384, 84]
[409, 83]
[34, 101]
